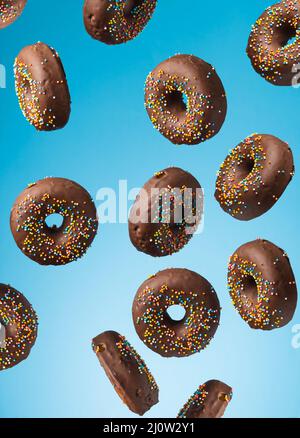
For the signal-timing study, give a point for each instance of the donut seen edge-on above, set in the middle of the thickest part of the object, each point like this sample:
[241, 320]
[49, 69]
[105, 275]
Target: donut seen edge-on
[262, 285]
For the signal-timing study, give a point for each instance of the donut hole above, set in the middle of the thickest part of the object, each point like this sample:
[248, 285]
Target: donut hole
[130, 6]
[54, 221]
[285, 35]
[249, 288]
[244, 169]
[176, 313]
[176, 102]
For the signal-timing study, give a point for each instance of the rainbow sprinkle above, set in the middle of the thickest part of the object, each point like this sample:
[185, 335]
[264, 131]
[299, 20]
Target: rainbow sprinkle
[23, 319]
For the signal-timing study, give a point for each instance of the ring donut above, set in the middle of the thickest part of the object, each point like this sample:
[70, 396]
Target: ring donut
[117, 21]
[254, 176]
[126, 371]
[10, 10]
[54, 245]
[262, 285]
[274, 43]
[153, 226]
[185, 100]
[42, 88]
[161, 333]
[209, 401]
[18, 327]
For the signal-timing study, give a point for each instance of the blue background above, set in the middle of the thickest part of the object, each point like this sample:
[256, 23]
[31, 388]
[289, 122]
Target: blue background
[109, 137]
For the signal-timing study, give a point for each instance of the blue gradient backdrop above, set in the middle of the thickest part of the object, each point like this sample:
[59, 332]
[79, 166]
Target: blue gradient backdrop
[110, 137]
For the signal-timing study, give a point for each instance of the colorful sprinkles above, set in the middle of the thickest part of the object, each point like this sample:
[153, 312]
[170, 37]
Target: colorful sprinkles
[178, 109]
[272, 49]
[53, 245]
[198, 399]
[125, 25]
[172, 236]
[185, 338]
[35, 96]
[9, 11]
[230, 187]
[20, 323]
[127, 351]
[258, 309]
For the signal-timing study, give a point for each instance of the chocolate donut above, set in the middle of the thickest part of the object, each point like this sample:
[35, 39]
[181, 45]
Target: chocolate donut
[117, 21]
[185, 100]
[54, 245]
[262, 285]
[166, 213]
[42, 88]
[254, 176]
[10, 10]
[126, 371]
[271, 48]
[158, 330]
[18, 327]
[209, 401]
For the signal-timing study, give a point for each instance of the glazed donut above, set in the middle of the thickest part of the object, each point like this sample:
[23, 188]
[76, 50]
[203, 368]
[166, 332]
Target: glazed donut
[161, 333]
[10, 10]
[198, 118]
[42, 88]
[254, 176]
[209, 401]
[18, 324]
[54, 245]
[126, 371]
[117, 21]
[271, 50]
[262, 285]
[153, 226]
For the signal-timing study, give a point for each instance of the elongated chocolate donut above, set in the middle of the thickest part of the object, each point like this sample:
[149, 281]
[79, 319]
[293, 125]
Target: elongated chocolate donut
[117, 21]
[42, 88]
[272, 49]
[126, 371]
[262, 285]
[54, 245]
[10, 10]
[254, 176]
[158, 330]
[185, 100]
[18, 327]
[166, 213]
[209, 401]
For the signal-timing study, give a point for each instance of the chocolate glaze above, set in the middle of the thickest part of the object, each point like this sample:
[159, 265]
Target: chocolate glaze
[42, 88]
[254, 176]
[262, 285]
[51, 245]
[10, 10]
[269, 48]
[20, 323]
[163, 239]
[116, 22]
[155, 327]
[201, 116]
[209, 401]
[126, 371]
